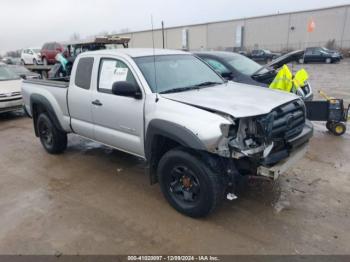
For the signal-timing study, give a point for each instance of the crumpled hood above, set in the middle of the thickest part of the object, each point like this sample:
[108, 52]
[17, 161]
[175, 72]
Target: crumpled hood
[235, 99]
[10, 86]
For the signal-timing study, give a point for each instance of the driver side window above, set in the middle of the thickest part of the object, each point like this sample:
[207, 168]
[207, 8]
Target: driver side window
[111, 71]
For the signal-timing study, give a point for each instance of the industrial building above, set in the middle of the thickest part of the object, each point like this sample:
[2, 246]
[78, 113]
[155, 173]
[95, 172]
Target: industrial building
[279, 32]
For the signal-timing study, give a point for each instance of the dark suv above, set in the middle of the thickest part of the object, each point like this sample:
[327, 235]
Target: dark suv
[49, 52]
[320, 54]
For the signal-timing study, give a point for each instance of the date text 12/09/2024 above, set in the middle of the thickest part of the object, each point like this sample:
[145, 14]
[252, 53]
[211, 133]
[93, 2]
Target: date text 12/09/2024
[173, 258]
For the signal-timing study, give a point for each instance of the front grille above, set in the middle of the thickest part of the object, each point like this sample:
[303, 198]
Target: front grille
[10, 99]
[289, 120]
[10, 94]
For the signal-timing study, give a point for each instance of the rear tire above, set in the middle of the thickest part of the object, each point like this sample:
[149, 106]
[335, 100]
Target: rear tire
[328, 61]
[188, 184]
[301, 61]
[53, 140]
[45, 62]
[35, 62]
[23, 63]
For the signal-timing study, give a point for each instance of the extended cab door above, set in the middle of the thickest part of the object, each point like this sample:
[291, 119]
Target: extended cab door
[118, 120]
[79, 98]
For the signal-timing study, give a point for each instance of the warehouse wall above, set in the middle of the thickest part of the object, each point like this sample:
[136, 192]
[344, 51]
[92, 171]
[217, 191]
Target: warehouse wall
[346, 32]
[329, 25]
[271, 32]
[173, 38]
[222, 35]
[197, 36]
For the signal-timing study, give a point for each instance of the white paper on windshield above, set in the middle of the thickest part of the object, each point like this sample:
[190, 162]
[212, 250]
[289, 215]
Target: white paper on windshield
[110, 74]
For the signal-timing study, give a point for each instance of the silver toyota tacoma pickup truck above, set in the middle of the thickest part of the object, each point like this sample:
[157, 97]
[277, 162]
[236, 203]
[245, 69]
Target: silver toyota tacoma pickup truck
[197, 132]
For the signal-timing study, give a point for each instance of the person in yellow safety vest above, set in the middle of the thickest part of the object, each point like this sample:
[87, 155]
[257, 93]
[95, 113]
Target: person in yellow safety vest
[284, 80]
[300, 78]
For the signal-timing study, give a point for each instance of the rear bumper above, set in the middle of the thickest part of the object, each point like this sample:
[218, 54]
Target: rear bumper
[298, 147]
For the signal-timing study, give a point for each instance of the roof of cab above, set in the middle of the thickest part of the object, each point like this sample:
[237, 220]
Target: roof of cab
[137, 52]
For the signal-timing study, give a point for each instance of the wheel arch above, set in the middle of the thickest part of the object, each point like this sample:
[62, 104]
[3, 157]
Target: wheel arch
[162, 136]
[40, 104]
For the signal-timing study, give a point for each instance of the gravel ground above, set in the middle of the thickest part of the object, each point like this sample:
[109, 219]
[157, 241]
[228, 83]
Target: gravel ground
[94, 200]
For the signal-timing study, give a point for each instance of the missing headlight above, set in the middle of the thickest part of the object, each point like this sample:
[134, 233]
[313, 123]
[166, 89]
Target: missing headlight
[229, 130]
[265, 124]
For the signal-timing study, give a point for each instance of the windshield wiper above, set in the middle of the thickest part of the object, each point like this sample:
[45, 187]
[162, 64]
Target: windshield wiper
[208, 83]
[179, 89]
[187, 88]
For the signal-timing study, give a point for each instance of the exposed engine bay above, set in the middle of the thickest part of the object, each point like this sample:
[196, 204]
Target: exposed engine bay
[263, 138]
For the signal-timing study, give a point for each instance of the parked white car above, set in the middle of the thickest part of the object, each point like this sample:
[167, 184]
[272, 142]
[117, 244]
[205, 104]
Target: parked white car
[31, 56]
[10, 90]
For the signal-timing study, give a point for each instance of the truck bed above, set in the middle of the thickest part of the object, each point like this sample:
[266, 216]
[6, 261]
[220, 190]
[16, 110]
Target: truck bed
[53, 83]
[54, 92]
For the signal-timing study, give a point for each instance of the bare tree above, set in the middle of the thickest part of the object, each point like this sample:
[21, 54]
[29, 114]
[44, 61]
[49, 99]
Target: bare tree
[75, 37]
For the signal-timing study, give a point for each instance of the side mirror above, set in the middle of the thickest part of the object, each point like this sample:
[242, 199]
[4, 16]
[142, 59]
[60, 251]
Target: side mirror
[123, 88]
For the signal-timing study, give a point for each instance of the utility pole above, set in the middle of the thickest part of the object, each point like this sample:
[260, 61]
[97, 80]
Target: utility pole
[163, 34]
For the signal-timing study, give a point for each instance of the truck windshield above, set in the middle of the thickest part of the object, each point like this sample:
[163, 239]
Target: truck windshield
[176, 73]
[7, 74]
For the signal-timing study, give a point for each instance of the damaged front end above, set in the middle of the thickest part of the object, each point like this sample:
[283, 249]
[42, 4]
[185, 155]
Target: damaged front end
[257, 144]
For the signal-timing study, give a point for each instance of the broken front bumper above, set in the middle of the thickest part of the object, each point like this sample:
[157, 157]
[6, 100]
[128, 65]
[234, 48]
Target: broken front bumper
[283, 166]
[298, 147]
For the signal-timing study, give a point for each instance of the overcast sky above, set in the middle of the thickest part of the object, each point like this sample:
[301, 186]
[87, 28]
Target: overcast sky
[30, 23]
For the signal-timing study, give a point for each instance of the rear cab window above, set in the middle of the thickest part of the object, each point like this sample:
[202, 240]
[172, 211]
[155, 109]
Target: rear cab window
[84, 72]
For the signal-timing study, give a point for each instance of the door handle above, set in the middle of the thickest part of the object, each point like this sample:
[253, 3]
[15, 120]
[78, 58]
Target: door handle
[97, 103]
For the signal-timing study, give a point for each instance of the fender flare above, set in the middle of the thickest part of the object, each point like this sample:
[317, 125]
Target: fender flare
[173, 131]
[44, 103]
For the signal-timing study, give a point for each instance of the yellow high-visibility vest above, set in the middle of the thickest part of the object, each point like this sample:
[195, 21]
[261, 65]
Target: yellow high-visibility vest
[283, 80]
[300, 78]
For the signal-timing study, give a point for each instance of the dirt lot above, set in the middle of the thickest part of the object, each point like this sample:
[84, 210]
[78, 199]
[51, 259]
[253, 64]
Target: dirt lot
[94, 200]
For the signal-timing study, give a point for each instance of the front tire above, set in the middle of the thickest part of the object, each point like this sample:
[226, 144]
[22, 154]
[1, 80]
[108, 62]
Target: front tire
[35, 62]
[45, 62]
[301, 61]
[53, 140]
[328, 61]
[188, 184]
